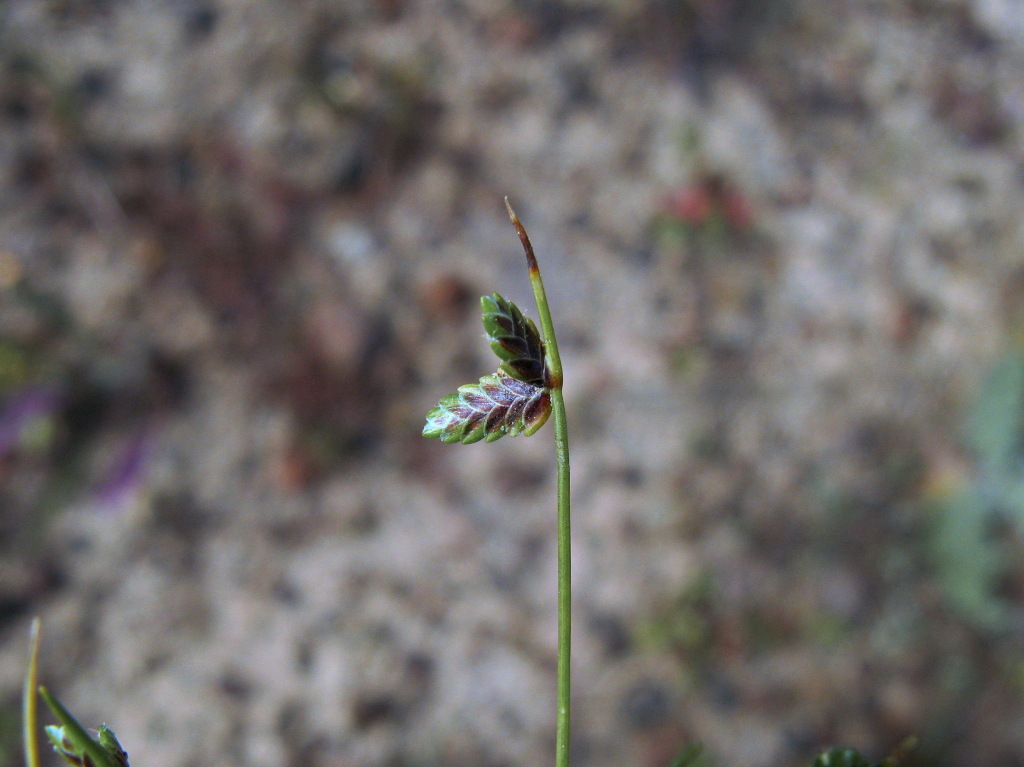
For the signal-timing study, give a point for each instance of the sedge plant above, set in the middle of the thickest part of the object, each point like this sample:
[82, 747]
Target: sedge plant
[518, 399]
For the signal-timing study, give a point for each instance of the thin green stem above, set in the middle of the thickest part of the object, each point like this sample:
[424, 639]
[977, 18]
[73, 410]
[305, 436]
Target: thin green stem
[554, 383]
[564, 580]
[29, 701]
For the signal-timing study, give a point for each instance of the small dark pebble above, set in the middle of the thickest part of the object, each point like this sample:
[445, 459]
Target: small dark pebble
[372, 710]
[611, 632]
[200, 22]
[646, 705]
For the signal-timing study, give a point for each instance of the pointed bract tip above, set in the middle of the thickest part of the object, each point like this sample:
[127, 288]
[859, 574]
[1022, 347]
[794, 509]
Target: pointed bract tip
[511, 213]
[531, 260]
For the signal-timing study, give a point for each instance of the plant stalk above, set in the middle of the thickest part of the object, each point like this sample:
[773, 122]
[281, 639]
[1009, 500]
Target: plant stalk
[564, 580]
[29, 702]
[554, 373]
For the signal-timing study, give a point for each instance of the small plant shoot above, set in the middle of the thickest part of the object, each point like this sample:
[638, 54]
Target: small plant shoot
[70, 740]
[518, 400]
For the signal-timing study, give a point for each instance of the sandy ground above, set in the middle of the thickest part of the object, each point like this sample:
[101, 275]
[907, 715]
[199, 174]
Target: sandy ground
[241, 245]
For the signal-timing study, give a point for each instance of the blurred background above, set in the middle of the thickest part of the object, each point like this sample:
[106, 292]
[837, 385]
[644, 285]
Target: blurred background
[241, 247]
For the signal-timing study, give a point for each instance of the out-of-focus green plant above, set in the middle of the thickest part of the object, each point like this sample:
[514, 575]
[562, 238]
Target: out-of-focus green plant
[76, 746]
[848, 757]
[69, 739]
[841, 757]
[968, 561]
[691, 756]
[684, 625]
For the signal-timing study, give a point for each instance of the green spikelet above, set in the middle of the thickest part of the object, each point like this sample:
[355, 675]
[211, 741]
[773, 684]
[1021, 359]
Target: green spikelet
[496, 406]
[514, 338]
